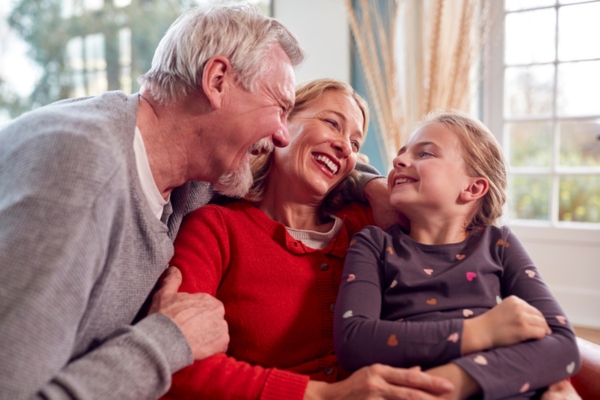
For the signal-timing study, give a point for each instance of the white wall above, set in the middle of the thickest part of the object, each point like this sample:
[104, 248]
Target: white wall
[569, 261]
[322, 28]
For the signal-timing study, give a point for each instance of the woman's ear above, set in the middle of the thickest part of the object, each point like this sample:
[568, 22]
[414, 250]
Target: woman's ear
[476, 189]
[214, 79]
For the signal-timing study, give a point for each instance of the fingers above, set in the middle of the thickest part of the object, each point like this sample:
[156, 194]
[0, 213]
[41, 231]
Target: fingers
[171, 281]
[529, 318]
[414, 378]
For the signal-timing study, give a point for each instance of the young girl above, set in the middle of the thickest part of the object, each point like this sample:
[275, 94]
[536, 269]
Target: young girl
[456, 294]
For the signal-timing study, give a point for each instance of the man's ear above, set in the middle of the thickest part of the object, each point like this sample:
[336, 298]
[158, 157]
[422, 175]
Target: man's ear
[214, 79]
[476, 189]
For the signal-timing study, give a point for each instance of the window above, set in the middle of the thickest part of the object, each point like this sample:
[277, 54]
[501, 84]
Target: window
[71, 48]
[541, 98]
[549, 116]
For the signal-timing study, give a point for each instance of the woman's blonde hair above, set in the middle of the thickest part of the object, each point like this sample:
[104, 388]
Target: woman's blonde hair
[305, 96]
[483, 158]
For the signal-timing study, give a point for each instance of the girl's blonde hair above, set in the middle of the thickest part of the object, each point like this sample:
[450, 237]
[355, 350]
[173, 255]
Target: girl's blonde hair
[483, 158]
[305, 96]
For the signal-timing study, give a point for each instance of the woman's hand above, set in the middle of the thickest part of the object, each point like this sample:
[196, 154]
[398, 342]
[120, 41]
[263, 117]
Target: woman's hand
[381, 382]
[510, 322]
[384, 215]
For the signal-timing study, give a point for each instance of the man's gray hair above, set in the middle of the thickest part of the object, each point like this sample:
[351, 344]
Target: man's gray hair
[241, 33]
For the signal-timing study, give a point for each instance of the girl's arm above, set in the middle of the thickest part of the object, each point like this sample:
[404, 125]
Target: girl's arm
[532, 364]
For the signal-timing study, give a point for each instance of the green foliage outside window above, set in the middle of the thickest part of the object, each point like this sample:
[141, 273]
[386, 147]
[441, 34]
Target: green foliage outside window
[43, 25]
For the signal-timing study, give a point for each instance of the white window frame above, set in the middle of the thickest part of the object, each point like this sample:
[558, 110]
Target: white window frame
[567, 253]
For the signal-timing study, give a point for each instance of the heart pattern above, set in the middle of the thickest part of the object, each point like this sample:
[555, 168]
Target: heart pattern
[467, 313]
[524, 388]
[562, 320]
[453, 337]
[394, 283]
[428, 271]
[389, 250]
[347, 314]
[501, 242]
[571, 367]
[471, 276]
[481, 360]
[530, 273]
[351, 277]
[460, 257]
[392, 341]
[432, 301]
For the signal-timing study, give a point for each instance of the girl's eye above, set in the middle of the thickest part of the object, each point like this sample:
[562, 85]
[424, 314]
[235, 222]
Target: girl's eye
[425, 154]
[355, 146]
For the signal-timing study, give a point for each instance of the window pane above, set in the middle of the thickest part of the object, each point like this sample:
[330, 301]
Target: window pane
[580, 198]
[75, 53]
[576, 25]
[580, 143]
[94, 52]
[530, 144]
[528, 91]
[578, 88]
[513, 5]
[524, 45]
[529, 197]
[92, 5]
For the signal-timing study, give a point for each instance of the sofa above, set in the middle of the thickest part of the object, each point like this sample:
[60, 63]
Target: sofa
[587, 380]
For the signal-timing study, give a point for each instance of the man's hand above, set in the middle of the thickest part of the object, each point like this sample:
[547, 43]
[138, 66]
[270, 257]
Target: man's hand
[198, 315]
[384, 215]
[381, 382]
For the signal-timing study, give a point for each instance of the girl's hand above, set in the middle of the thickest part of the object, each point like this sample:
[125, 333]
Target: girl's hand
[382, 382]
[510, 322]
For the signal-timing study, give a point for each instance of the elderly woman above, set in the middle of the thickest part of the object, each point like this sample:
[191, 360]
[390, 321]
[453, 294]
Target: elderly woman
[275, 261]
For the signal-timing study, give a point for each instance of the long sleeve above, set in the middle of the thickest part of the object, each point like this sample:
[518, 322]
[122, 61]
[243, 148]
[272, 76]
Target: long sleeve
[403, 303]
[361, 336]
[205, 261]
[59, 226]
[531, 364]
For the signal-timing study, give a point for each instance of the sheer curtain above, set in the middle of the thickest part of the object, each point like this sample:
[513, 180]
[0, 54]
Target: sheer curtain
[417, 56]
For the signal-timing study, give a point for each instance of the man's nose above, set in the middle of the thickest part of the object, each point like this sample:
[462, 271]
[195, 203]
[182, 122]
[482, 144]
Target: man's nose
[281, 138]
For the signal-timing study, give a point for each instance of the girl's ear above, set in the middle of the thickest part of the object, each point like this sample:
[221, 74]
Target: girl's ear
[477, 188]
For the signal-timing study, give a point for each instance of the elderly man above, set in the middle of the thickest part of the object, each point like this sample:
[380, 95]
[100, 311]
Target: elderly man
[92, 193]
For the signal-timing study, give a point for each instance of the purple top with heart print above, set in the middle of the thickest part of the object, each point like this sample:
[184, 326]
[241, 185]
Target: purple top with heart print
[403, 303]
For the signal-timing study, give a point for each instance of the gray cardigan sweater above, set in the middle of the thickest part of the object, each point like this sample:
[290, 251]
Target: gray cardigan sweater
[80, 251]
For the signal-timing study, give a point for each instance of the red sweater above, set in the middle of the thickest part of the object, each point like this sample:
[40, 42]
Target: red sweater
[279, 298]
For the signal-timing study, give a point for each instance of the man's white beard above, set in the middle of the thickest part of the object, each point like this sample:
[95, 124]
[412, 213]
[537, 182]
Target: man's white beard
[237, 183]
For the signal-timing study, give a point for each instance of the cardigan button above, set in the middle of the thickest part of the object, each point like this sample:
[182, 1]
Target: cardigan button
[328, 370]
[332, 307]
[324, 267]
